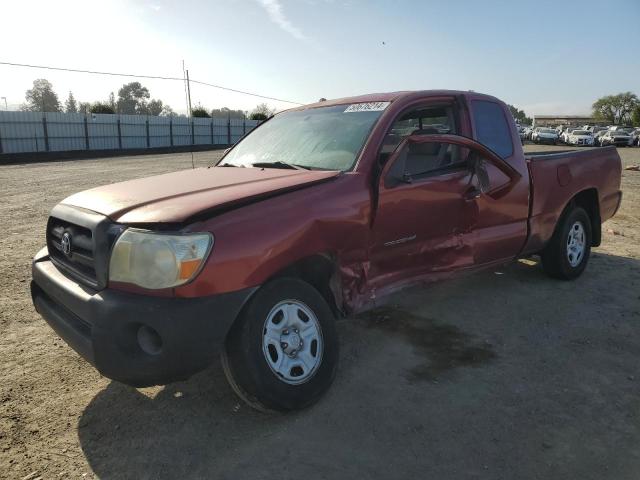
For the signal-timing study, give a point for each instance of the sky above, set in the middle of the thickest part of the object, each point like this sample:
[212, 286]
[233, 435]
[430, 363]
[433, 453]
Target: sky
[546, 57]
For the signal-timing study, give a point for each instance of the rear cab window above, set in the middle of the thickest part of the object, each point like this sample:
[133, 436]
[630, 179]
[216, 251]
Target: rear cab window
[492, 127]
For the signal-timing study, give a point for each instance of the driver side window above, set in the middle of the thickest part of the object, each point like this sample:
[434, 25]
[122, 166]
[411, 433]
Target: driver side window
[424, 158]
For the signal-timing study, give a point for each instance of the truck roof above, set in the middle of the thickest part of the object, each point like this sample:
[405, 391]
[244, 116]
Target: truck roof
[392, 96]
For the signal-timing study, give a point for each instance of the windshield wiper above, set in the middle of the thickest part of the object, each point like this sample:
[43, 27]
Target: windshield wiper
[228, 165]
[280, 164]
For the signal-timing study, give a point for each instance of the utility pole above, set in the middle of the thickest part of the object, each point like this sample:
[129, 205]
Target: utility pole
[189, 93]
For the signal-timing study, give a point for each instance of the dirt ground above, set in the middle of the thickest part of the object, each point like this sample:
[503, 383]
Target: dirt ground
[506, 374]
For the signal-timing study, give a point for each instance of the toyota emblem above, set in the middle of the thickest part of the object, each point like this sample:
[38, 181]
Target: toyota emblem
[65, 243]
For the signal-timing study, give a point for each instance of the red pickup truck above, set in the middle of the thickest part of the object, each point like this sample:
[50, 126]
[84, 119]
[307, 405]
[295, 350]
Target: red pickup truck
[321, 212]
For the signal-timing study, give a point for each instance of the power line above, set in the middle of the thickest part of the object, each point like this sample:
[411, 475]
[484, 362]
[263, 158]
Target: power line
[155, 77]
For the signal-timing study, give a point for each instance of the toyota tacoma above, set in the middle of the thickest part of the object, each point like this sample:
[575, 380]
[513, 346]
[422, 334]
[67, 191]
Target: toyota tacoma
[321, 212]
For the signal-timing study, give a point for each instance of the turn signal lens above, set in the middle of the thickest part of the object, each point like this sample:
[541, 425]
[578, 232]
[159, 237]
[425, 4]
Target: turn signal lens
[157, 260]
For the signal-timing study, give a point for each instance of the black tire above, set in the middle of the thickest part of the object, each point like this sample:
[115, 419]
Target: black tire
[555, 258]
[244, 361]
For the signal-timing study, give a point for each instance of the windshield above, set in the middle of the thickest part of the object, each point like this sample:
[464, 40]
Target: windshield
[547, 130]
[580, 132]
[327, 138]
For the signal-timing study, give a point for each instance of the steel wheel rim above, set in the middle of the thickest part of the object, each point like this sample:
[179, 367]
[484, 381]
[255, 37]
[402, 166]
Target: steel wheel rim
[576, 242]
[292, 342]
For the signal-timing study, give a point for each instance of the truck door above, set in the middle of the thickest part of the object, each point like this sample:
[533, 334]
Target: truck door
[501, 225]
[431, 197]
[424, 220]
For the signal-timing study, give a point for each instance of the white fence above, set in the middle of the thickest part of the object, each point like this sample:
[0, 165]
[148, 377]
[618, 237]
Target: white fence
[24, 132]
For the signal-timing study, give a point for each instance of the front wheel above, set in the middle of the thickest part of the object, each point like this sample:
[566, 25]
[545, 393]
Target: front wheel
[567, 253]
[282, 352]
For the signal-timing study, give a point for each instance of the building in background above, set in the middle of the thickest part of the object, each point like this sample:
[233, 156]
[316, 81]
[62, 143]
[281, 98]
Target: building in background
[555, 120]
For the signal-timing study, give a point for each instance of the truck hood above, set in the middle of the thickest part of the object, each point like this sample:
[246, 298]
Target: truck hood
[175, 197]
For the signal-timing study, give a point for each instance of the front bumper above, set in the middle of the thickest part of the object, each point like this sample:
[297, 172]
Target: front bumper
[135, 339]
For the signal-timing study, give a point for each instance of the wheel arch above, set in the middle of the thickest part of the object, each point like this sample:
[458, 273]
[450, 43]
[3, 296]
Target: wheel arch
[587, 199]
[322, 273]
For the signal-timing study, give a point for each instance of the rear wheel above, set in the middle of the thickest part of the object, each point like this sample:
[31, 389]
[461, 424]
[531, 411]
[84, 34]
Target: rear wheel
[567, 253]
[282, 352]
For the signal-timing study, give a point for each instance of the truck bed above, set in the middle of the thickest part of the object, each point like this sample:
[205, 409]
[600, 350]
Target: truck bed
[558, 177]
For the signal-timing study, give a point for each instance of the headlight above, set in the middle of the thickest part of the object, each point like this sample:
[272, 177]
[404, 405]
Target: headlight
[156, 260]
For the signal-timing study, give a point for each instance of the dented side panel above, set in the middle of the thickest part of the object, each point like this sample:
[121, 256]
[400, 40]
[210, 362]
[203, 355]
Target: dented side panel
[254, 242]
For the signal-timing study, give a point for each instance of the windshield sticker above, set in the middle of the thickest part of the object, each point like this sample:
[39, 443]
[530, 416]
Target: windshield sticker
[367, 107]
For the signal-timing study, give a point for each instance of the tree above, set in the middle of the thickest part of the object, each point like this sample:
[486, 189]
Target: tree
[84, 107]
[322, 99]
[200, 112]
[167, 111]
[616, 109]
[112, 101]
[41, 98]
[131, 98]
[101, 107]
[262, 112]
[71, 105]
[635, 116]
[225, 112]
[520, 116]
[154, 107]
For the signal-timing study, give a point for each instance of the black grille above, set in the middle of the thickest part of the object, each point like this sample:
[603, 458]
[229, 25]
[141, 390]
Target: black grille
[80, 261]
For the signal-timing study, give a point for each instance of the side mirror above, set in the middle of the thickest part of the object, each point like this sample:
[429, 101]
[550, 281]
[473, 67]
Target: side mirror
[479, 169]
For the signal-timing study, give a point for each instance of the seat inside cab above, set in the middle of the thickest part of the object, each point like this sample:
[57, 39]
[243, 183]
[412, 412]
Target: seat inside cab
[420, 121]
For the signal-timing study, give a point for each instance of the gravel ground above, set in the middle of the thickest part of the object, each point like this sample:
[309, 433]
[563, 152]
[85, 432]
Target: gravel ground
[505, 374]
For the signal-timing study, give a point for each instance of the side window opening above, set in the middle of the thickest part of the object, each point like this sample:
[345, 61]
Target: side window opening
[424, 120]
[424, 158]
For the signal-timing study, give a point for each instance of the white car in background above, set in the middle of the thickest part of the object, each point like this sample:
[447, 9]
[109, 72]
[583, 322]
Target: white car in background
[617, 137]
[594, 129]
[544, 135]
[598, 136]
[564, 138]
[580, 137]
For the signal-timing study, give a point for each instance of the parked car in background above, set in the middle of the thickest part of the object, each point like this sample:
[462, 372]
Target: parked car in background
[564, 138]
[581, 138]
[618, 137]
[597, 137]
[635, 137]
[545, 135]
[593, 129]
[527, 133]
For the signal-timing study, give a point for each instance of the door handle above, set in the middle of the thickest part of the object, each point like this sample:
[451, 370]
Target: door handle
[472, 193]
